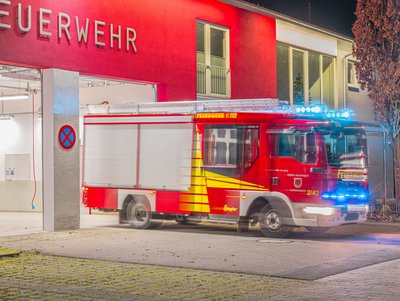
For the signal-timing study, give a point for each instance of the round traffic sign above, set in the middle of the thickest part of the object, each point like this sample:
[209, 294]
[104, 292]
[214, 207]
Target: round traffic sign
[66, 137]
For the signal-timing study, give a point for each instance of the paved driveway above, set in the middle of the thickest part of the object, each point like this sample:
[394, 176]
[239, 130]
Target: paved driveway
[218, 247]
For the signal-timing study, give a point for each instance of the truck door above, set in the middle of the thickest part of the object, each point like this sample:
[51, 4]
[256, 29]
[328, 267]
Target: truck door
[294, 155]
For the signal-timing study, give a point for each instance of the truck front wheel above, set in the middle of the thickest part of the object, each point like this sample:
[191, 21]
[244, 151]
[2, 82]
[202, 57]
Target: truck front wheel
[272, 222]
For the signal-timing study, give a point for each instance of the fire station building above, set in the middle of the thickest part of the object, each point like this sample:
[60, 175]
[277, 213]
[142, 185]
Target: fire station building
[57, 57]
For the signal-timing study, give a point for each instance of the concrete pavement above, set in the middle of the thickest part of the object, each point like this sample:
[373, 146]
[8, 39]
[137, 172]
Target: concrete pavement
[41, 277]
[214, 247]
[19, 223]
[207, 262]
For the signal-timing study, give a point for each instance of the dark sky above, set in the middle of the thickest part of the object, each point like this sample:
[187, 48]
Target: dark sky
[335, 15]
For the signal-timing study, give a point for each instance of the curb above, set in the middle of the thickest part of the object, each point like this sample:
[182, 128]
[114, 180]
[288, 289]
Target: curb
[15, 254]
[383, 224]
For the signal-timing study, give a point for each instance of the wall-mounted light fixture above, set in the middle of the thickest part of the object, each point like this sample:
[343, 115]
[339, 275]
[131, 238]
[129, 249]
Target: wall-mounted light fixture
[6, 117]
[14, 97]
[9, 131]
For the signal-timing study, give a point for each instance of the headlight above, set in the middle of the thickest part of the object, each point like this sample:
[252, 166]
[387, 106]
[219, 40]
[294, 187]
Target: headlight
[319, 210]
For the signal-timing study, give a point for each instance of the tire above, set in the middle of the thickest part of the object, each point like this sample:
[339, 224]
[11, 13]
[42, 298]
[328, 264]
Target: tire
[272, 223]
[138, 215]
[122, 213]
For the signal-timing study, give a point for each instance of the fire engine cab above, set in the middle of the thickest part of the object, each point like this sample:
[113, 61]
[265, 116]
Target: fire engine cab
[236, 161]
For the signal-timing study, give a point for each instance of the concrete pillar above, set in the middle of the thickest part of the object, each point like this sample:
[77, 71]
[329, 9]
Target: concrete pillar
[61, 187]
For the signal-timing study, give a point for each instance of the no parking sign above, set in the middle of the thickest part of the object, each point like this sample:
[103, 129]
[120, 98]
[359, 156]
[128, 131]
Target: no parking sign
[66, 137]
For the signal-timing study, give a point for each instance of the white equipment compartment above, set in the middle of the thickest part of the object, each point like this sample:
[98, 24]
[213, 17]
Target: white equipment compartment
[110, 156]
[149, 152]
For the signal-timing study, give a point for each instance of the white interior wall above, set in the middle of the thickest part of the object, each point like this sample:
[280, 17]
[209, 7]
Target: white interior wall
[19, 140]
[18, 136]
[18, 133]
[117, 94]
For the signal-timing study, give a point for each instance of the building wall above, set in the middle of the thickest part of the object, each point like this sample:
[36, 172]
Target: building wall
[165, 42]
[305, 38]
[344, 51]
[352, 97]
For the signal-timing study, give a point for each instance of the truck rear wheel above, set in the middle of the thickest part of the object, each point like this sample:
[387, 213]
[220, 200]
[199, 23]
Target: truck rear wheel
[272, 224]
[138, 215]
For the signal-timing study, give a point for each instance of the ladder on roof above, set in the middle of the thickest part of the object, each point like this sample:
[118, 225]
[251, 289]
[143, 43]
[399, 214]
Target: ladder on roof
[188, 107]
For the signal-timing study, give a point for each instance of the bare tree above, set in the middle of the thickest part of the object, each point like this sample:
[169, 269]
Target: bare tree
[377, 50]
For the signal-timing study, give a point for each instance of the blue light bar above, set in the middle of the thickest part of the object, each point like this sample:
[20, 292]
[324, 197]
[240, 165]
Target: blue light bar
[322, 111]
[344, 196]
[341, 114]
[308, 109]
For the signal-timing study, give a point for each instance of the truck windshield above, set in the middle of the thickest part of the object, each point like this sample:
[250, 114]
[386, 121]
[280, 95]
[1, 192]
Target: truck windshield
[346, 149]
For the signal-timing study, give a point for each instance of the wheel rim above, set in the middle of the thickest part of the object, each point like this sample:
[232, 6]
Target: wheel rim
[273, 221]
[138, 214]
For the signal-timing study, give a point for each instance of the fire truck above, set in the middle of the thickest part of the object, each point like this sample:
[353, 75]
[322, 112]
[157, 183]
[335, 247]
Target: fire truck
[246, 162]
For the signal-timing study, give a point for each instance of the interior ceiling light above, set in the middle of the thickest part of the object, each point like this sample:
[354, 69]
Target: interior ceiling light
[6, 117]
[14, 97]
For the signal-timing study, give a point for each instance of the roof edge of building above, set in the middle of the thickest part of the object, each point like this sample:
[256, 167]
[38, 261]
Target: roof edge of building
[270, 13]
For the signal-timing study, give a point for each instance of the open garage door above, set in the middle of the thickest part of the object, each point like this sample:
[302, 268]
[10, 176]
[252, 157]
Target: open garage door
[21, 186]
[20, 150]
[103, 91]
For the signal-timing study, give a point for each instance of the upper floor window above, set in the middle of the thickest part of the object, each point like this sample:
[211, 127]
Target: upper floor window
[305, 77]
[352, 84]
[212, 55]
[351, 73]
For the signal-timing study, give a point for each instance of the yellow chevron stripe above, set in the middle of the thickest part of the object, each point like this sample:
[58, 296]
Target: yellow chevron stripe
[198, 189]
[220, 181]
[187, 198]
[197, 172]
[197, 198]
[194, 207]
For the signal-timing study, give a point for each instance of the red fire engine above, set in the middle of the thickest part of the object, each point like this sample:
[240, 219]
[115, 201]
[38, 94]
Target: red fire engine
[238, 161]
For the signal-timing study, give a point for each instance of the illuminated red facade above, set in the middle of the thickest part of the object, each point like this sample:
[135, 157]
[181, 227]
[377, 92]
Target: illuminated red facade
[44, 34]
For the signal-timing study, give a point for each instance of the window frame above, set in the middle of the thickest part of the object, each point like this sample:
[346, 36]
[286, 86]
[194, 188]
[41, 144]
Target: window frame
[294, 150]
[246, 135]
[291, 78]
[207, 56]
[354, 87]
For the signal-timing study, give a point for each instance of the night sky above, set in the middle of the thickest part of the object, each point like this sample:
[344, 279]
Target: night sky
[335, 15]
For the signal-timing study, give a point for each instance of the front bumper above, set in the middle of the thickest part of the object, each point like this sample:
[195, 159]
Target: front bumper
[311, 215]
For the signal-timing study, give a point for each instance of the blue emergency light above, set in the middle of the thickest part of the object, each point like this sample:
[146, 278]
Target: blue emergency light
[344, 196]
[308, 109]
[323, 111]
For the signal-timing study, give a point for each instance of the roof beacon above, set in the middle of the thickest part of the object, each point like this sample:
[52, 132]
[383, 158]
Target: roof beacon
[324, 112]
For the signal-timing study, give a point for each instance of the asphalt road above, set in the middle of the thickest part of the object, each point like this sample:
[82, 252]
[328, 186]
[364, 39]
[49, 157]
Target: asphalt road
[219, 248]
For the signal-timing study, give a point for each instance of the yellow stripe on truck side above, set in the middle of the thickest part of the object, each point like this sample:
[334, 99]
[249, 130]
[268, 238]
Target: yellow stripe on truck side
[196, 199]
[220, 181]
